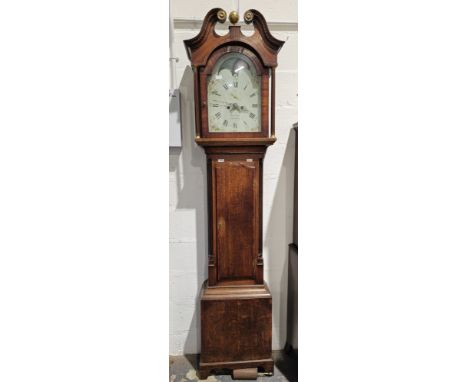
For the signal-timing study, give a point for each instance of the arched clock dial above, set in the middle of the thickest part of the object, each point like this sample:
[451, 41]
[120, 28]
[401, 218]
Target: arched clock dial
[234, 91]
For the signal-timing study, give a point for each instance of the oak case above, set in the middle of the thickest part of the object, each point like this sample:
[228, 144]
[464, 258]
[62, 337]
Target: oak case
[236, 304]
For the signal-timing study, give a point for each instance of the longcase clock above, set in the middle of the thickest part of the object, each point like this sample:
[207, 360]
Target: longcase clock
[234, 82]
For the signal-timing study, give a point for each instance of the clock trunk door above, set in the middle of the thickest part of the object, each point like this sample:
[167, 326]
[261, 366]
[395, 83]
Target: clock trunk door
[235, 218]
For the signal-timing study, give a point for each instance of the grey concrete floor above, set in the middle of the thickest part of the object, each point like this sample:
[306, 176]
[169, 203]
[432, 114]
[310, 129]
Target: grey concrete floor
[184, 369]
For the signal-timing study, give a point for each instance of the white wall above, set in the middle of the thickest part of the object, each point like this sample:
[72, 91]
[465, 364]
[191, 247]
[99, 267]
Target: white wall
[187, 177]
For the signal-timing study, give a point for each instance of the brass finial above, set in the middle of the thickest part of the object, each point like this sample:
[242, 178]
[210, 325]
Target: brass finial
[248, 17]
[221, 16]
[233, 17]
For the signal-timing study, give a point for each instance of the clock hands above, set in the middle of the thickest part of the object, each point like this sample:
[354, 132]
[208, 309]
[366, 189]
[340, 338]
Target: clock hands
[240, 109]
[232, 106]
[235, 106]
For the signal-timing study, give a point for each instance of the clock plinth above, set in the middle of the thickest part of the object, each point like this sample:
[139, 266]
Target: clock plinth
[236, 324]
[234, 89]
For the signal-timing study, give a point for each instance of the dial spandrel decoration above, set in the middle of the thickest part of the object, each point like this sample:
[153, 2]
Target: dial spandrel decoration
[234, 103]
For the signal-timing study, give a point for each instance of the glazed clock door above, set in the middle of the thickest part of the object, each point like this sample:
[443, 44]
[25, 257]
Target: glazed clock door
[236, 219]
[234, 91]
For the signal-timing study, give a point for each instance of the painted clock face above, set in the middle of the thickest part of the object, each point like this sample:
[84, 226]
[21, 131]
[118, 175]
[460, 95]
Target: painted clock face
[234, 95]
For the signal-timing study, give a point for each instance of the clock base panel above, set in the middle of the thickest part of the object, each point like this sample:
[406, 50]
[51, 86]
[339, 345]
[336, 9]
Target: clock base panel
[236, 323]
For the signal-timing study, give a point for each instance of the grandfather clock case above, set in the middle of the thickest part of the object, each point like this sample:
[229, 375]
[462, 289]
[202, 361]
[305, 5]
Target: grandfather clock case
[234, 82]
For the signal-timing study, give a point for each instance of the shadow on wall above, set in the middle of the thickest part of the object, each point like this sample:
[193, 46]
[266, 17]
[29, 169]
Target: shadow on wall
[189, 166]
[277, 236]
